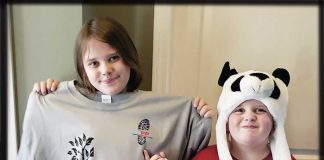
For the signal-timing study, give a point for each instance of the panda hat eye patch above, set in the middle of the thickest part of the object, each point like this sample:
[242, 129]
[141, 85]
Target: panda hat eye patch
[235, 87]
[261, 76]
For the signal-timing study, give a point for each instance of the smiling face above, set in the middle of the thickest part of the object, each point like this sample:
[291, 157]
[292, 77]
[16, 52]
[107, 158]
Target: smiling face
[105, 68]
[250, 123]
[115, 36]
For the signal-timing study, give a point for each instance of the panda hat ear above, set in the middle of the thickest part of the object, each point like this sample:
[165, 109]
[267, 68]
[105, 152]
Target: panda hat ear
[226, 73]
[282, 74]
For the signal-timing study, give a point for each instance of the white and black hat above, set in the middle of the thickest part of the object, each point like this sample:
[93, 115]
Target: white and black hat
[270, 89]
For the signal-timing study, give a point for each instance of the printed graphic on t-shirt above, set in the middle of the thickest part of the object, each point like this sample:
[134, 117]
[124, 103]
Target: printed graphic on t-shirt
[143, 131]
[81, 148]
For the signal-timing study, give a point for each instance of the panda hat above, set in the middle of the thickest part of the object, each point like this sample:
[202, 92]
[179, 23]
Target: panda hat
[270, 89]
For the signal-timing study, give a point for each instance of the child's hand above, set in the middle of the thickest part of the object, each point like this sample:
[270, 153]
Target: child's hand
[45, 87]
[160, 156]
[203, 108]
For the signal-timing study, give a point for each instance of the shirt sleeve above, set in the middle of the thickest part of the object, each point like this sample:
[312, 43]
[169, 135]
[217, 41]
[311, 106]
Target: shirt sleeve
[198, 133]
[31, 131]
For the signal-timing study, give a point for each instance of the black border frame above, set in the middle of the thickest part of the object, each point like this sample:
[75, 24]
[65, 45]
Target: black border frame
[3, 81]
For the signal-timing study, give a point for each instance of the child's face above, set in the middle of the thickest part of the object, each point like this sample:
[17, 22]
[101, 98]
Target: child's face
[250, 123]
[105, 68]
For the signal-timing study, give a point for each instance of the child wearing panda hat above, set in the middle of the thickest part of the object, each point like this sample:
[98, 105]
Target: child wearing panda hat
[252, 109]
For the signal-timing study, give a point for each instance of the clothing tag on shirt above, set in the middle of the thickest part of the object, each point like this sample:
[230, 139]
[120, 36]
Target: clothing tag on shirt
[105, 98]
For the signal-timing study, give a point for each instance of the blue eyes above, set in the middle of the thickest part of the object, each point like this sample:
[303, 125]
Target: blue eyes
[261, 110]
[256, 110]
[239, 110]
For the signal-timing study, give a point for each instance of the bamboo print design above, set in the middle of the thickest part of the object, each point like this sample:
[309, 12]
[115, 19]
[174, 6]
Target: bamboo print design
[79, 149]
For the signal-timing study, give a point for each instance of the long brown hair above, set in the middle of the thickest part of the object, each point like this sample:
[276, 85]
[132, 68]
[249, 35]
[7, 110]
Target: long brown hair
[114, 34]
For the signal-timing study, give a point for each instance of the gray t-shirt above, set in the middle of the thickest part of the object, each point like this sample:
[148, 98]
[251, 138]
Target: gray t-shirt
[66, 125]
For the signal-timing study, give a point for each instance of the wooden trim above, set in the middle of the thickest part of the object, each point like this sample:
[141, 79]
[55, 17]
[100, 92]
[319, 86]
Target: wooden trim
[162, 48]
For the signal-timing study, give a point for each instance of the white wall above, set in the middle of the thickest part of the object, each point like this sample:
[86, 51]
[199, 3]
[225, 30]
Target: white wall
[44, 37]
[192, 42]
